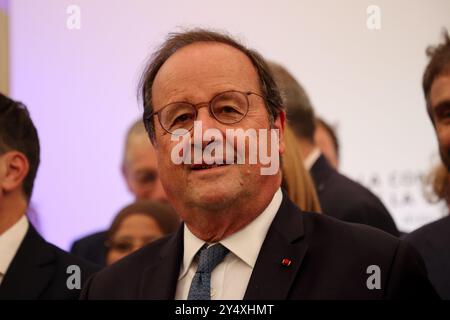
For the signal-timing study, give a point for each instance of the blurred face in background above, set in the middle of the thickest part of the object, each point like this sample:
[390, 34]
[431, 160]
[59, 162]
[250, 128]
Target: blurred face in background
[140, 169]
[134, 232]
[440, 111]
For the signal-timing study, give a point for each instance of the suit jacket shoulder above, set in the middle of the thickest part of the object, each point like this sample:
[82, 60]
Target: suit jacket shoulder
[150, 273]
[332, 259]
[39, 271]
[433, 243]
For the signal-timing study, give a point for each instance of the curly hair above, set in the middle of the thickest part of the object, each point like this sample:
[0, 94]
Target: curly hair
[438, 65]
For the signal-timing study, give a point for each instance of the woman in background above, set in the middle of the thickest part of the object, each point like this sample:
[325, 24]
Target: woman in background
[137, 225]
[296, 179]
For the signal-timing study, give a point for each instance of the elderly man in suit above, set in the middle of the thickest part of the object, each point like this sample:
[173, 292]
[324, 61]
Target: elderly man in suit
[242, 238]
[30, 267]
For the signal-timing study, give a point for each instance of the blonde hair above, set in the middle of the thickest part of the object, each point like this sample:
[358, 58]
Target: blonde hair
[296, 179]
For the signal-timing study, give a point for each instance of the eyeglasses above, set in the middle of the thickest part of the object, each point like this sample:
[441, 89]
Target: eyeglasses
[227, 107]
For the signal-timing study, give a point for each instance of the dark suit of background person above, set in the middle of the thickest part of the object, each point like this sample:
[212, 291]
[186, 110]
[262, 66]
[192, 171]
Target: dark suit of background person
[91, 248]
[347, 200]
[140, 174]
[339, 196]
[30, 268]
[329, 261]
[39, 271]
[433, 240]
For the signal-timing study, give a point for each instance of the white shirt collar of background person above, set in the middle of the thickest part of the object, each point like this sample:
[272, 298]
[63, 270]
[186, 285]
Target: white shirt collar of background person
[230, 278]
[312, 158]
[10, 242]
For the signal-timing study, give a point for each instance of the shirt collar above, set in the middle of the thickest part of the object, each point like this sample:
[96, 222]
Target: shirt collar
[311, 158]
[10, 241]
[238, 243]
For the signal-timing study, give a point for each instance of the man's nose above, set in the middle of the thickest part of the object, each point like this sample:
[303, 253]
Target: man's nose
[206, 121]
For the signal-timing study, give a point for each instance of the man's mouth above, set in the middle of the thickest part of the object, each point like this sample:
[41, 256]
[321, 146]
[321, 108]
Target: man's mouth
[204, 166]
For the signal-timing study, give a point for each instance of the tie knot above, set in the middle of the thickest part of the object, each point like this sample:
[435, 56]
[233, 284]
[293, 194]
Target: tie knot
[210, 257]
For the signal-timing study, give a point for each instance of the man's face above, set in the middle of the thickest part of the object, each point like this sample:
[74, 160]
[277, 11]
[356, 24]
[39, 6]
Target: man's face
[440, 110]
[195, 74]
[140, 170]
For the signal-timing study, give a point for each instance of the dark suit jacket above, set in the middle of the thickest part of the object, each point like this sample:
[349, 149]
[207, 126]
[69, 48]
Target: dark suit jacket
[347, 200]
[329, 261]
[433, 243]
[38, 271]
[91, 248]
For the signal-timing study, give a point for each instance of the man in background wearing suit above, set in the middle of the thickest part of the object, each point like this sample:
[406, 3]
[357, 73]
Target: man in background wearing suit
[30, 267]
[139, 169]
[433, 240]
[339, 196]
[242, 237]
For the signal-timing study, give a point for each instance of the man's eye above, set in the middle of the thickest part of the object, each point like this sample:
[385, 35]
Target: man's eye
[227, 109]
[148, 178]
[183, 118]
[444, 115]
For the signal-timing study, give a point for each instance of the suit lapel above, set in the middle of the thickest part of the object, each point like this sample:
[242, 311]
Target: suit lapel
[159, 281]
[271, 278]
[31, 269]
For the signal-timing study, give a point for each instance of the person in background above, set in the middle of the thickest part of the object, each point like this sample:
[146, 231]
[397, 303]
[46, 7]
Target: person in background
[326, 139]
[242, 237]
[138, 224]
[433, 240]
[296, 179]
[30, 267]
[339, 196]
[139, 169]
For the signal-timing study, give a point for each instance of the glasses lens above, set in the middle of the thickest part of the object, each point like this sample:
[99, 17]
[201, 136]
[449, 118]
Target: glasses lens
[178, 116]
[230, 107]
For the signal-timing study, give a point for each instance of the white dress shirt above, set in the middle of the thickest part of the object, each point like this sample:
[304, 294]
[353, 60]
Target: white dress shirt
[311, 158]
[230, 278]
[10, 241]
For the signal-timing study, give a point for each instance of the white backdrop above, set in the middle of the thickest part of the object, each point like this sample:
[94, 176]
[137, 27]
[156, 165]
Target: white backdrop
[80, 85]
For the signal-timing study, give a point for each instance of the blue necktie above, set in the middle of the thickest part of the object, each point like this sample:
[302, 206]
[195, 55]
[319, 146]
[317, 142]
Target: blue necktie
[201, 283]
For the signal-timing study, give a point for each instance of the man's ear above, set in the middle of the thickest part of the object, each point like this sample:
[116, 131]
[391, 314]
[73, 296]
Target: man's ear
[280, 123]
[15, 168]
[125, 175]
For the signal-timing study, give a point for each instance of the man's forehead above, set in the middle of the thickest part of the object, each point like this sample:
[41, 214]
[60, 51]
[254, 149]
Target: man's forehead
[139, 147]
[440, 90]
[205, 64]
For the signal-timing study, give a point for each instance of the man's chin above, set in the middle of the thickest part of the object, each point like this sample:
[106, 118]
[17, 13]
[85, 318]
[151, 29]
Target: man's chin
[213, 198]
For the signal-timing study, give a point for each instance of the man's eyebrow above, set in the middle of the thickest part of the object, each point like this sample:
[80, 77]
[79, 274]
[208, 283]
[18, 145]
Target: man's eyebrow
[442, 106]
[189, 98]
